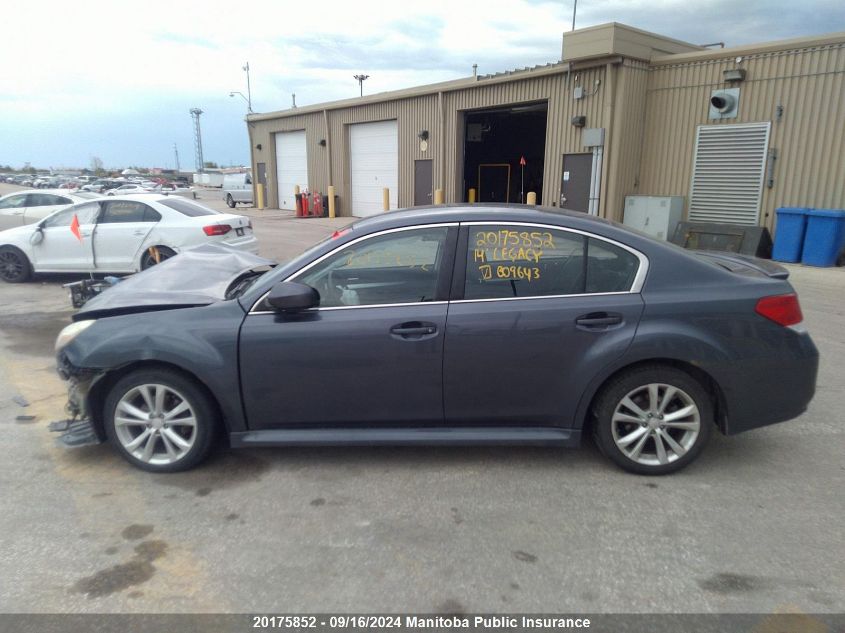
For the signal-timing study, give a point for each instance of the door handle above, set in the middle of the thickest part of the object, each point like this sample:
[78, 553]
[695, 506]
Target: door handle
[139, 232]
[598, 320]
[413, 329]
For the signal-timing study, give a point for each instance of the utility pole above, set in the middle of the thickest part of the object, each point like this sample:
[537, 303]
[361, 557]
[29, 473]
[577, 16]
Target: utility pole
[361, 79]
[574, 9]
[176, 151]
[200, 164]
[245, 67]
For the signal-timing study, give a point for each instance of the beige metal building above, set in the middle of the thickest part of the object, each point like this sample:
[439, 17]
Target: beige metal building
[736, 132]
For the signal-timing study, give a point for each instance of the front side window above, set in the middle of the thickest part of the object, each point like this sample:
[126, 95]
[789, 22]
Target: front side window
[13, 202]
[85, 213]
[506, 261]
[399, 267]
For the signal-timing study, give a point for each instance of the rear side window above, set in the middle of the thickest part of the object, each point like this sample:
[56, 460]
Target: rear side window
[46, 200]
[506, 261]
[187, 207]
[513, 261]
[121, 211]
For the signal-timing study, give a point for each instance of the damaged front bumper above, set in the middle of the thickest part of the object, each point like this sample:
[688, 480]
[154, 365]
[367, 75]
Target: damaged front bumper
[78, 429]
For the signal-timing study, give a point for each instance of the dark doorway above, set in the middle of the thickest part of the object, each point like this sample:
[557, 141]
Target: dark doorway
[495, 140]
[422, 182]
[575, 182]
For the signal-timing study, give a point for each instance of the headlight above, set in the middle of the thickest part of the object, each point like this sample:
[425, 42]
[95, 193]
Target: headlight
[71, 332]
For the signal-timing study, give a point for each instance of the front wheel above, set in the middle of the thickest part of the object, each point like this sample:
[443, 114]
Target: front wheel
[160, 420]
[230, 201]
[653, 420]
[14, 265]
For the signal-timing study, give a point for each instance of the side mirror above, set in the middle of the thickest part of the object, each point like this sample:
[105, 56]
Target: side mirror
[37, 237]
[289, 296]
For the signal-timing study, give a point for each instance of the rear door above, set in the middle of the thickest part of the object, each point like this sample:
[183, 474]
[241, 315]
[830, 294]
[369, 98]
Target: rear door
[538, 311]
[121, 230]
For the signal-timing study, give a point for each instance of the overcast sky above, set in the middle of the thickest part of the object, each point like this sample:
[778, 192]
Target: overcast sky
[116, 80]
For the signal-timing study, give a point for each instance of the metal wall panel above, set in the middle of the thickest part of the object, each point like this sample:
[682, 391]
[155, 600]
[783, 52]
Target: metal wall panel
[809, 84]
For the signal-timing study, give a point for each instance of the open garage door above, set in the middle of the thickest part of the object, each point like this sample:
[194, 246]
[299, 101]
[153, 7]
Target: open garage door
[291, 166]
[373, 165]
[495, 141]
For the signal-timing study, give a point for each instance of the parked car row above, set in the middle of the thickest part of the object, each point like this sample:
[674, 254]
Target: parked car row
[121, 234]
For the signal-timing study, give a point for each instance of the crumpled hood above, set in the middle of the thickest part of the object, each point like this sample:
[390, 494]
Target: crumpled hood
[198, 276]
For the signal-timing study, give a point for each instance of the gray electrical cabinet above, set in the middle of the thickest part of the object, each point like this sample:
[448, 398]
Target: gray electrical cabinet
[656, 215]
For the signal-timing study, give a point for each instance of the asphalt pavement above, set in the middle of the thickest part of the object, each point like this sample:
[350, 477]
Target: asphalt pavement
[755, 525]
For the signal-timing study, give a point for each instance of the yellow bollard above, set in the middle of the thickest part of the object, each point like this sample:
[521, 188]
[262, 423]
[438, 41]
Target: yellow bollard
[385, 198]
[531, 198]
[438, 196]
[259, 195]
[331, 201]
[296, 190]
[471, 197]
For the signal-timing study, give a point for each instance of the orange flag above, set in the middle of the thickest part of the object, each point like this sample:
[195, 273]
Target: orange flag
[74, 227]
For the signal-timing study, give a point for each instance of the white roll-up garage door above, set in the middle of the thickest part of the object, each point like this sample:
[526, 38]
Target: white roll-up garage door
[728, 171]
[291, 166]
[373, 165]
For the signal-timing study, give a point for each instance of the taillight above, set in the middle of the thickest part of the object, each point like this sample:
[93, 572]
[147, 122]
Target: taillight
[216, 229]
[782, 309]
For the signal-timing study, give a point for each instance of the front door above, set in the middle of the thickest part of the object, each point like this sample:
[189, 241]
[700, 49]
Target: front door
[121, 230]
[60, 249]
[575, 182]
[422, 182]
[535, 324]
[371, 354]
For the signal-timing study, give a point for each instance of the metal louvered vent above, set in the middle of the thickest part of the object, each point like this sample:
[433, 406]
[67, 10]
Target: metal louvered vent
[727, 177]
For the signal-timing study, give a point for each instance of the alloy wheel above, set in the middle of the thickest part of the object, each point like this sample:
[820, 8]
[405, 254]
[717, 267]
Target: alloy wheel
[12, 266]
[655, 424]
[155, 424]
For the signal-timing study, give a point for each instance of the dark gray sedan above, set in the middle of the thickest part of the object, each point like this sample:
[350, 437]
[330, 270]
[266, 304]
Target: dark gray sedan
[450, 325]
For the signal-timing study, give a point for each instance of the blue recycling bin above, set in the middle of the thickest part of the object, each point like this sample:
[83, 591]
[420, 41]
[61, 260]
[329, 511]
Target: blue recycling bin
[789, 236]
[825, 237]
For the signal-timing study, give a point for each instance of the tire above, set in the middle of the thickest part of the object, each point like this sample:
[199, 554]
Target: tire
[230, 201]
[14, 265]
[631, 426]
[148, 260]
[158, 443]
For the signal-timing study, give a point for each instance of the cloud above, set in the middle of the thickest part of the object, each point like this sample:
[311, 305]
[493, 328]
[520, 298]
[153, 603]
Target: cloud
[118, 80]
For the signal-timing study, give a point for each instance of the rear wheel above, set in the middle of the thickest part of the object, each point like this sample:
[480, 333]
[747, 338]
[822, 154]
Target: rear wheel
[155, 255]
[14, 265]
[230, 201]
[653, 420]
[160, 420]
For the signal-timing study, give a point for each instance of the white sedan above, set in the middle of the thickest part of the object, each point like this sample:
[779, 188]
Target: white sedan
[133, 187]
[117, 235]
[26, 207]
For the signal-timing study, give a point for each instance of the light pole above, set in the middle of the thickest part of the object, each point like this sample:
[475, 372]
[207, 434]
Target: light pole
[361, 79]
[248, 88]
[242, 96]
